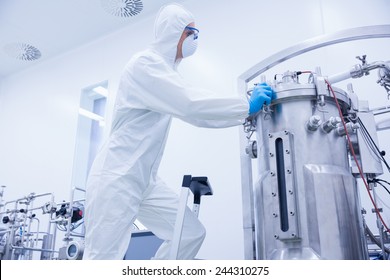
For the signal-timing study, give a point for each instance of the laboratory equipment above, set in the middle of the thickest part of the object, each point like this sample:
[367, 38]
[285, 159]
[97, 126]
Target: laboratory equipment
[311, 144]
[22, 234]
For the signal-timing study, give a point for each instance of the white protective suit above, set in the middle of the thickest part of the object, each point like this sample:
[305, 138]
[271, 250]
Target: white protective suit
[123, 184]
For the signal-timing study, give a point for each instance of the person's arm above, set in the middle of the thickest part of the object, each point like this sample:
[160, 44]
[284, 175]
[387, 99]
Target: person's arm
[213, 123]
[164, 90]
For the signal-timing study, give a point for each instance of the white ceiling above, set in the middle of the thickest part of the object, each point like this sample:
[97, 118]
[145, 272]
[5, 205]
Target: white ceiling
[56, 26]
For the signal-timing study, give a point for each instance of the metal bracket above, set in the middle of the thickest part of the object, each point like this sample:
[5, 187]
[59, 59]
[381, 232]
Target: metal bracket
[283, 186]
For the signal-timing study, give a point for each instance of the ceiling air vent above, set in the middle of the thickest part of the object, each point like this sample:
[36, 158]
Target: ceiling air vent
[22, 51]
[122, 8]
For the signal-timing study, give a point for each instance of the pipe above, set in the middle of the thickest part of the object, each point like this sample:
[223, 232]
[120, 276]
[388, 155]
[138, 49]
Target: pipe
[353, 34]
[356, 71]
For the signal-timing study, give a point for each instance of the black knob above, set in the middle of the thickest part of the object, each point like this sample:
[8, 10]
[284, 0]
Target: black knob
[5, 219]
[383, 153]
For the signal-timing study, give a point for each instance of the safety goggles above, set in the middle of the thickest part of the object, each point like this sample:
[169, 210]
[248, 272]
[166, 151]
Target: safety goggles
[192, 30]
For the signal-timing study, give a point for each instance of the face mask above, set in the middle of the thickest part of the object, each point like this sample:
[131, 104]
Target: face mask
[189, 46]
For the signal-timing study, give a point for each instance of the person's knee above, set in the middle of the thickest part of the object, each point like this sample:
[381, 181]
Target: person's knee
[200, 232]
[194, 232]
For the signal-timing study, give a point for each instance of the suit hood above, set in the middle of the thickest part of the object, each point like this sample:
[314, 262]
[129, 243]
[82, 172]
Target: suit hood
[168, 27]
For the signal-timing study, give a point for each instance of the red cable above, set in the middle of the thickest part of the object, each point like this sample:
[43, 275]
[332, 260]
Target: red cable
[355, 158]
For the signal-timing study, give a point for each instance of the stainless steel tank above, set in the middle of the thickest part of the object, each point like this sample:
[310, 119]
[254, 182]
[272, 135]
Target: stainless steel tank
[306, 203]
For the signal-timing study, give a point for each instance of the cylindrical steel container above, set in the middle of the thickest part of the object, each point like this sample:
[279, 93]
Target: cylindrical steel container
[306, 199]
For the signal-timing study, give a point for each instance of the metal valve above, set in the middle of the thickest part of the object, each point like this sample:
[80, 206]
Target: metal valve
[49, 207]
[331, 124]
[351, 128]
[314, 123]
[251, 149]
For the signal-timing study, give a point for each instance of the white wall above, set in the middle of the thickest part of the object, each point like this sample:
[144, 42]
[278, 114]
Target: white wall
[39, 106]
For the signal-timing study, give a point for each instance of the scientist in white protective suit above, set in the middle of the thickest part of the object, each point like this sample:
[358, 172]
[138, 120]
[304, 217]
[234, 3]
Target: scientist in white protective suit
[123, 183]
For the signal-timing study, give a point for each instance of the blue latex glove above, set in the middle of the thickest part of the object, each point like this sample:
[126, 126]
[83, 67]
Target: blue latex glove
[261, 94]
